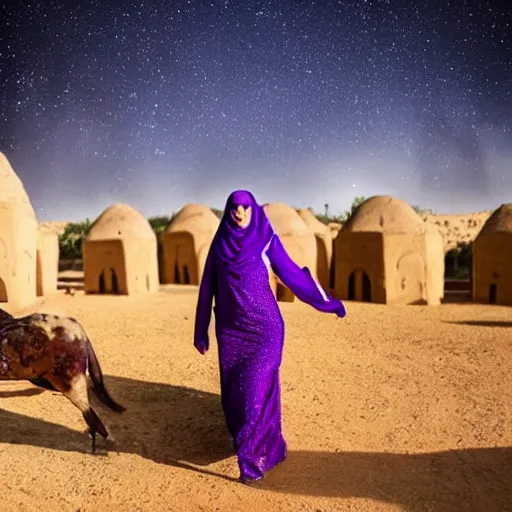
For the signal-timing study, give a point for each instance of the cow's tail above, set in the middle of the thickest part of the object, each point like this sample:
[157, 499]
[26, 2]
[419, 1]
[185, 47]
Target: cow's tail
[97, 380]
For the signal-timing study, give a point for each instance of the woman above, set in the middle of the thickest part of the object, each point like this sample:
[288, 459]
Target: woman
[250, 328]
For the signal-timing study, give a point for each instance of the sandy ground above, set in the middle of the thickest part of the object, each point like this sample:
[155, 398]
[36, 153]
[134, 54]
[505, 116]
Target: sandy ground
[390, 409]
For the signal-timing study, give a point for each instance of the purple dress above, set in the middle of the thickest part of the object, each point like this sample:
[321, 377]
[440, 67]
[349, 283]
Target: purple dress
[250, 329]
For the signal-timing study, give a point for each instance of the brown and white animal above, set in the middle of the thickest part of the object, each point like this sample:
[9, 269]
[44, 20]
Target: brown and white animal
[54, 353]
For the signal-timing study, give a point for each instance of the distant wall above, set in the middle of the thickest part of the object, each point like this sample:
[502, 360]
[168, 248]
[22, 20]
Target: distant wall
[458, 228]
[71, 265]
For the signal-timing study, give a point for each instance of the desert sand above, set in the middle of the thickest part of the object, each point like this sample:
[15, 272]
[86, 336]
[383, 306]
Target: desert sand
[392, 408]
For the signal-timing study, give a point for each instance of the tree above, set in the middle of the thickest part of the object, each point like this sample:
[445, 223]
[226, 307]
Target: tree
[458, 261]
[355, 203]
[422, 211]
[159, 223]
[71, 239]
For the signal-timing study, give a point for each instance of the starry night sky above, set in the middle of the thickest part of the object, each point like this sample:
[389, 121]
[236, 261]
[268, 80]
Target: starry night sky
[161, 103]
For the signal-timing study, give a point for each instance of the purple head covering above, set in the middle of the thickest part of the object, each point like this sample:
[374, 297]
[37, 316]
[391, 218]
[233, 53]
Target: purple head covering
[237, 244]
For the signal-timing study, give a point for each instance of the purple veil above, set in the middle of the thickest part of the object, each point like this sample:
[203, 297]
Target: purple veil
[235, 245]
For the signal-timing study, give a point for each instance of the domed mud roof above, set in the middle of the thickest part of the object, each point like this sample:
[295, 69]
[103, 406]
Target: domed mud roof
[285, 220]
[385, 214]
[120, 221]
[499, 222]
[12, 191]
[194, 218]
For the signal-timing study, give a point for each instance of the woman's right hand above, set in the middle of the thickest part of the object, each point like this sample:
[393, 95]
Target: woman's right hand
[201, 345]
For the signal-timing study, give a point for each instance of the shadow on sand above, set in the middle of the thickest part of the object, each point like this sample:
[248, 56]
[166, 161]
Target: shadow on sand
[21, 392]
[185, 428]
[460, 480]
[482, 323]
[168, 424]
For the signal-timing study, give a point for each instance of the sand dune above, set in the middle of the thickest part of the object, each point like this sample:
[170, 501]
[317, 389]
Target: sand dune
[391, 409]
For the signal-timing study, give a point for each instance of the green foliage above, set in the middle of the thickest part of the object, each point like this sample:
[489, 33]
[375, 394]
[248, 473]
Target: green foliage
[355, 203]
[70, 241]
[159, 223]
[458, 262]
[326, 217]
[422, 211]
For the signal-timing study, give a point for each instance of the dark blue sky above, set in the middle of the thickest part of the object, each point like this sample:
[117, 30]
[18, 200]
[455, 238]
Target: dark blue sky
[159, 103]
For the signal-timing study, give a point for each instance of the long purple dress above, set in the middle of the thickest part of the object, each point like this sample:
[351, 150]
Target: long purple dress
[250, 329]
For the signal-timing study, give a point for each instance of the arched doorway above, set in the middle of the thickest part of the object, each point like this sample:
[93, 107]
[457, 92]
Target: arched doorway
[181, 271]
[101, 284]
[3, 291]
[186, 275]
[352, 286]
[161, 261]
[493, 293]
[177, 278]
[181, 266]
[332, 268]
[322, 262]
[359, 286]
[114, 281]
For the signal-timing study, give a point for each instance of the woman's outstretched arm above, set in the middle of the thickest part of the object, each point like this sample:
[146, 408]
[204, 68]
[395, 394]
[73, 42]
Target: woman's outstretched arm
[300, 281]
[204, 304]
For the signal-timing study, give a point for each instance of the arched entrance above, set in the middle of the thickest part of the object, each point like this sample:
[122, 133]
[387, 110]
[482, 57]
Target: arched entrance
[332, 268]
[186, 275]
[359, 286]
[177, 278]
[181, 264]
[108, 283]
[180, 259]
[114, 281]
[101, 283]
[493, 293]
[352, 287]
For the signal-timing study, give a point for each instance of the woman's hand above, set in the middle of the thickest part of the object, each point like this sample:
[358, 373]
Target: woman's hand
[201, 346]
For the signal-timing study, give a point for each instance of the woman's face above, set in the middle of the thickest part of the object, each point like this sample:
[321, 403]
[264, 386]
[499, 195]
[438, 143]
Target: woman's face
[241, 215]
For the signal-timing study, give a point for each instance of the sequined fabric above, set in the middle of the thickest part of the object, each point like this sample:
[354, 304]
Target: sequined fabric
[250, 335]
[250, 332]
